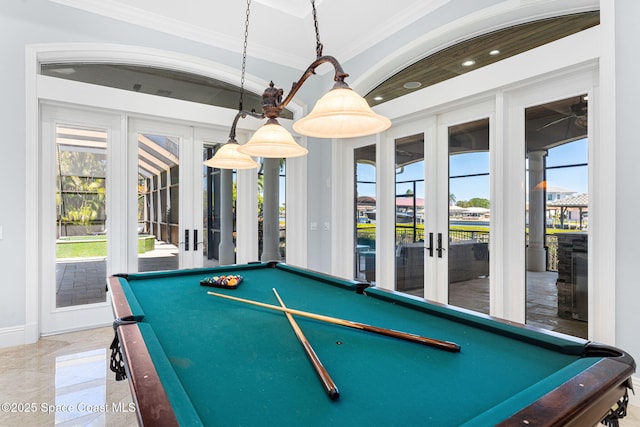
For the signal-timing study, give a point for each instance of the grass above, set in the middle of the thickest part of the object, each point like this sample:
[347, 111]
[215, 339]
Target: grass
[94, 246]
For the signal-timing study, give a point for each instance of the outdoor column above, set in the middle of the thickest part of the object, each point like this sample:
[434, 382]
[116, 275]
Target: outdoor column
[270, 213]
[226, 252]
[536, 252]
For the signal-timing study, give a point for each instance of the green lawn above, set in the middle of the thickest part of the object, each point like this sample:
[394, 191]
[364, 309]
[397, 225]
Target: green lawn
[94, 246]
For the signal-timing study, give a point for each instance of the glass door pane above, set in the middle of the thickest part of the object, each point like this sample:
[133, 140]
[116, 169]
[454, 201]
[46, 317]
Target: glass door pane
[211, 206]
[158, 202]
[365, 215]
[557, 215]
[469, 215]
[166, 159]
[410, 197]
[81, 231]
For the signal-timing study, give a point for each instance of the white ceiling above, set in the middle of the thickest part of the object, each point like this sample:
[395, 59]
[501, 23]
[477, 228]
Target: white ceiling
[281, 31]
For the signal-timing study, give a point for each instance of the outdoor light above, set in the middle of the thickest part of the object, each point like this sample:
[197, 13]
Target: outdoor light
[341, 113]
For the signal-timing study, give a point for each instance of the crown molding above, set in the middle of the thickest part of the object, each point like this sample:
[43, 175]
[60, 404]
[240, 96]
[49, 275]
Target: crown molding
[377, 32]
[156, 22]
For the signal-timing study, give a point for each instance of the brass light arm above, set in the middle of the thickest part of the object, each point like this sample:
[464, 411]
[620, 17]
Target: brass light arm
[242, 114]
[272, 103]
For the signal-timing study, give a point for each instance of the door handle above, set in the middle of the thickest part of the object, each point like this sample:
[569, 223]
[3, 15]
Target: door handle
[195, 240]
[186, 240]
[440, 248]
[430, 248]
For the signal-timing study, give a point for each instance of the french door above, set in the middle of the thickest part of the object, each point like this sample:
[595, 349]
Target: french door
[119, 195]
[422, 207]
[512, 226]
[441, 201]
[165, 211]
[460, 228]
[79, 151]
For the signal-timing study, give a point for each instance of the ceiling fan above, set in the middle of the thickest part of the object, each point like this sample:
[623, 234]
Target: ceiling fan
[578, 113]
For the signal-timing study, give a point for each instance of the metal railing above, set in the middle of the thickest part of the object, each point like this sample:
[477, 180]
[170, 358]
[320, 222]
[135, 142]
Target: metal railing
[409, 234]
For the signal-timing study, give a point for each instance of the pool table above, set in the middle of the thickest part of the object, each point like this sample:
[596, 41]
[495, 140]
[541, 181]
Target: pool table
[197, 359]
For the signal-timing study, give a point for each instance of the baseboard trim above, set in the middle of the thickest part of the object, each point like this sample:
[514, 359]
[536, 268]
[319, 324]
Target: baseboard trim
[70, 330]
[29, 334]
[13, 336]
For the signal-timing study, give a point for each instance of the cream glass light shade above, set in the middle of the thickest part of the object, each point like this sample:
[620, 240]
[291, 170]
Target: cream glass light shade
[272, 141]
[228, 157]
[341, 113]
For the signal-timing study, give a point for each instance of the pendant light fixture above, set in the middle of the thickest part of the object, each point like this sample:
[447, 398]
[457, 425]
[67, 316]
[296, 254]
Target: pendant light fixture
[341, 113]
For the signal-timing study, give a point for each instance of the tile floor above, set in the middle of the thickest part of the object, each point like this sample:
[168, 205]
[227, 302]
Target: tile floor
[541, 308]
[70, 373]
[81, 280]
[63, 380]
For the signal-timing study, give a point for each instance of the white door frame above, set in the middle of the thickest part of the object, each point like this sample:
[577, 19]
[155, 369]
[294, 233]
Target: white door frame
[61, 319]
[438, 167]
[121, 208]
[386, 197]
[510, 212]
[343, 255]
[190, 202]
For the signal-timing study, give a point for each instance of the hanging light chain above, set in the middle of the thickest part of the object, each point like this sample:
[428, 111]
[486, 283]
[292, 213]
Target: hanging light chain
[244, 54]
[315, 23]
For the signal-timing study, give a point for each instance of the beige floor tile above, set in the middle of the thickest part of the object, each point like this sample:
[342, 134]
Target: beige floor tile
[63, 380]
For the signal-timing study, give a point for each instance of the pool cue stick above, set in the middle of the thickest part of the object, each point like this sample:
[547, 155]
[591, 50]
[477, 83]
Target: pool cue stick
[442, 345]
[329, 386]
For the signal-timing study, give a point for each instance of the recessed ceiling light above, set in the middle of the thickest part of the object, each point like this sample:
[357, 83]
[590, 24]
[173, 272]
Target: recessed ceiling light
[378, 98]
[412, 85]
[494, 52]
[468, 63]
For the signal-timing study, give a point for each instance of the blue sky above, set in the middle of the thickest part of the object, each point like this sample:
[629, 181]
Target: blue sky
[574, 179]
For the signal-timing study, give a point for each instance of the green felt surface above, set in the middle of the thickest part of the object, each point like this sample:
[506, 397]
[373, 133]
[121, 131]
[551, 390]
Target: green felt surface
[187, 415]
[242, 365]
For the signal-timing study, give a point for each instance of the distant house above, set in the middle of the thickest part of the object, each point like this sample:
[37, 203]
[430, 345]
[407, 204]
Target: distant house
[558, 193]
[573, 209]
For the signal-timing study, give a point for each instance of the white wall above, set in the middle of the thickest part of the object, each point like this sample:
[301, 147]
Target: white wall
[12, 160]
[626, 275]
[319, 224]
